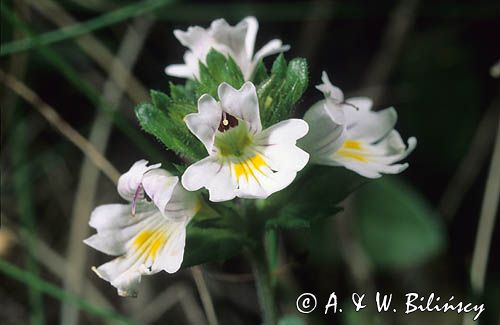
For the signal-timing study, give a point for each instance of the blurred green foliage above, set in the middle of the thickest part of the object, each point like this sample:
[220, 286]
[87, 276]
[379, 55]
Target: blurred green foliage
[396, 225]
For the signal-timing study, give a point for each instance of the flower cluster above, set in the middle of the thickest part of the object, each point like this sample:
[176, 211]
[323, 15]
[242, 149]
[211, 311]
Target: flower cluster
[240, 114]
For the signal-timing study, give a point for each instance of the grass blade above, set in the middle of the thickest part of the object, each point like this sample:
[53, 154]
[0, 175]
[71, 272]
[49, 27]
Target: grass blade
[33, 281]
[86, 88]
[114, 17]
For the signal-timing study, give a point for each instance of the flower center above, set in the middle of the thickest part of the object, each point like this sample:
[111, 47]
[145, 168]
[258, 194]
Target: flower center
[227, 122]
[234, 139]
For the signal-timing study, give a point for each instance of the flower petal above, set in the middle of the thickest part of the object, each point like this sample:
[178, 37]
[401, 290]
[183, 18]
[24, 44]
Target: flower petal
[159, 186]
[212, 174]
[196, 38]
[260, 187]
[284, 156]
[158, 245]
[252, 29]
[368, 125]
[115, 226]
[392, 148]
[374, 160]
[129, 182]
[326, 136]
[230, 39]
[272, 47]
[242, 104]
[287, 131]
[256, 179]
[329, 90]
[204, 124]
[182, 204]
[180, 71]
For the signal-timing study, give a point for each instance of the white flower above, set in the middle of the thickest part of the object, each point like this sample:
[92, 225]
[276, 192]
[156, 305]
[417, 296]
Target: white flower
[244, 160]
[237, 41]
[348, 133]
[147, 235]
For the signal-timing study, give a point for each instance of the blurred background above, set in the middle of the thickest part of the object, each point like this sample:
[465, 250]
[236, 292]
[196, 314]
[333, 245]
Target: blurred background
[72, 72]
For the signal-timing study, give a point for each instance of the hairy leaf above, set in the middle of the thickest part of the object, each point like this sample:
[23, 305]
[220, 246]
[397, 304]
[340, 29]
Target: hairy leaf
[282, 90]
[164, 119]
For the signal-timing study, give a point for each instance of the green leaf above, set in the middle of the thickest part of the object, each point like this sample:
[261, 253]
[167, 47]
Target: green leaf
[282, 90]
[218, 69]
[164, 119]
[185, 94]
[259, 74]
[156, 122]
[397, 226]
[160, 100]
[210, 244]
[279, 66]
[297, 79]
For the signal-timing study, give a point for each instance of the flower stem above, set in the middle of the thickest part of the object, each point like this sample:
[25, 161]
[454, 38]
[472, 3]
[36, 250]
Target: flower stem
[263, 283]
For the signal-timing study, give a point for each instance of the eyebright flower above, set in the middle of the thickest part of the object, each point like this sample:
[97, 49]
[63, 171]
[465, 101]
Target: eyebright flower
[148, 234]
[237, 41]
[244, 160]
[348, 133]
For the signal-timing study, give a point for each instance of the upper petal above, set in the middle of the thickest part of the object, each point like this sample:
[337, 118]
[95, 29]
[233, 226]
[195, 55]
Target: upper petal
[329, 90]
[204, 124]
[129, 182]
[190, 68]
[179, 70]
[325, 136]
[252, 29]
[367, 125]
[159, 186]
[272, 47]
[242, 104]
[197, 39]
[232, 37]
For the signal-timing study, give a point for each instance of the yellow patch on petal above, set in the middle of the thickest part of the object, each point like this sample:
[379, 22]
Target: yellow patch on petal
[246, 167]
[150, 242]
[353, 149]
[352, 144]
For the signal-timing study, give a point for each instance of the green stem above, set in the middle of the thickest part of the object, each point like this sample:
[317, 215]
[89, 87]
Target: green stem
[263, 283]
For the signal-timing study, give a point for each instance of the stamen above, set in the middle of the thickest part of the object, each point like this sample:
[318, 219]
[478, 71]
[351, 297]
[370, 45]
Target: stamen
[136, 198]
[227, 121]
[349, 104]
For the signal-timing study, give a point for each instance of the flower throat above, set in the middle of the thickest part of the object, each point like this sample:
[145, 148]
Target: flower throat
[233, 137]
